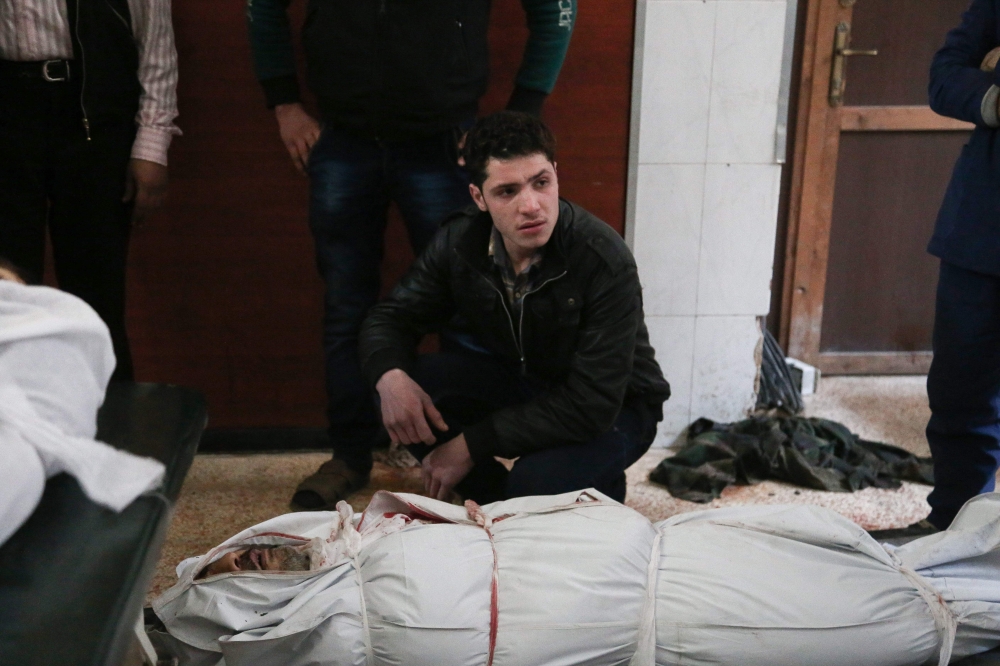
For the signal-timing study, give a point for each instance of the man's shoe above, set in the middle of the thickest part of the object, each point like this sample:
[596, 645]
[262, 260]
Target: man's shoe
[331, 483]
[901, 535]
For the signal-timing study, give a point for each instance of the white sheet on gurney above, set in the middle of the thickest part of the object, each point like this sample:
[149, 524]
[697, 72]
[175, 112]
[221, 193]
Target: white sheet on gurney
[55, 362]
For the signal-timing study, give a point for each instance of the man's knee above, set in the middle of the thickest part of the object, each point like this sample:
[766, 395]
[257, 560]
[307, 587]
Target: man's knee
[565, 469]
[963, 390]
[599, 464]
[530, 478]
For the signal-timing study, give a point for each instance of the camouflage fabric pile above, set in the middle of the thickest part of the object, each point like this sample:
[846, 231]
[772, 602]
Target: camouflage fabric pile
[808, 452]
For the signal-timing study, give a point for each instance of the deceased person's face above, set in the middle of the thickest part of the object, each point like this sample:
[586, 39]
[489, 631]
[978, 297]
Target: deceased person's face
[260, 558]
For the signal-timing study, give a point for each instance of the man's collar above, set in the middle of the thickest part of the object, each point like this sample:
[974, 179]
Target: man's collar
[498, 251]
[475, 243]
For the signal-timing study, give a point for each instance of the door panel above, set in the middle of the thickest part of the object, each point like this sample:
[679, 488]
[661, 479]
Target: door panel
[880, 281]
[907, 34]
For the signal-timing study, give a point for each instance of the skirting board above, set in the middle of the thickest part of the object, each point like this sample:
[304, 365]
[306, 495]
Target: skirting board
[875, 363]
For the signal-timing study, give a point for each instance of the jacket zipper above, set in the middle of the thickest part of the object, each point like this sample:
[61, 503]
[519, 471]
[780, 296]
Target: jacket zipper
[510, 319]
[517, 335]
[465, 48]
[83, 72]
[520, 323]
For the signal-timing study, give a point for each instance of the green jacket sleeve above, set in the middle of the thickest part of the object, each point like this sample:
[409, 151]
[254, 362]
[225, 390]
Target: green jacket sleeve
[550, 26]
[271, 47]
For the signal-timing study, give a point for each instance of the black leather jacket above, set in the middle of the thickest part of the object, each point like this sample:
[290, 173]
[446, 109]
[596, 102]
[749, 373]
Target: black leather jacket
[582, 332]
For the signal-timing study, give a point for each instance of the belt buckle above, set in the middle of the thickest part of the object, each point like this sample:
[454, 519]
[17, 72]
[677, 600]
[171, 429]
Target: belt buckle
[53, 79]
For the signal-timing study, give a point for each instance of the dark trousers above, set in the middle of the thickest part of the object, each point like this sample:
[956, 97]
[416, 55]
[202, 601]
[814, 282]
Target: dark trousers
[52, 176]
[964, 390]
[353, 179]
[467, 387]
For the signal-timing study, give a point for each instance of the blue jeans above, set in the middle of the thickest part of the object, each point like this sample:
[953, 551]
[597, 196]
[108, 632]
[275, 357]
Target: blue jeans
[352, 181]
[466, 387]
[964, 390]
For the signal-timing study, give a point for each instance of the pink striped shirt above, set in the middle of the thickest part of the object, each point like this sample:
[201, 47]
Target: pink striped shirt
[33, 30]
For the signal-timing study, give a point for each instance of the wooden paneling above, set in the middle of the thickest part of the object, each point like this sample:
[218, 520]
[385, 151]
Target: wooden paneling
[897, 119]
[882, 363]
[223, 293]
[814, 173]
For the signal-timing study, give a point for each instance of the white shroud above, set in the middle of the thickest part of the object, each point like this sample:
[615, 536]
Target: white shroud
[580, 579]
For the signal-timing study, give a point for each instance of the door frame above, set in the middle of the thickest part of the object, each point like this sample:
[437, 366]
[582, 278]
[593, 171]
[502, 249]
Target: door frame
[810, 204]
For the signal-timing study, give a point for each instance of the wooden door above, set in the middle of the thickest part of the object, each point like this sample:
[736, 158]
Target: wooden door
[871, 165]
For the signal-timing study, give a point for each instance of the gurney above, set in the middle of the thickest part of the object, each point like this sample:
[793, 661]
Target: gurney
[580, 579]
[85, 495]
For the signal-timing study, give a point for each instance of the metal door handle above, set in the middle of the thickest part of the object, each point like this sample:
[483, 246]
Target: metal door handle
[838, 77]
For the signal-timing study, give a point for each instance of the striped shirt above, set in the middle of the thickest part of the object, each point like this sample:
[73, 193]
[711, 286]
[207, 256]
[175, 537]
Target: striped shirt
[35, 30]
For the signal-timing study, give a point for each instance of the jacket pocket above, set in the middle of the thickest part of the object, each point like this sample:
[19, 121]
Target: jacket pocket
[559, 303]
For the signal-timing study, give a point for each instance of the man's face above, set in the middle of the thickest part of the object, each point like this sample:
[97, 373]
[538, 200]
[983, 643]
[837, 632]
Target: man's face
[522, 197]
[260, 558]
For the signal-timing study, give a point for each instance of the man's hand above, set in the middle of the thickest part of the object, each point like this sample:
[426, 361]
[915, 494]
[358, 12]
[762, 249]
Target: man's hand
[404, 406]
[445, 466]
[299, 132]
[145, 186]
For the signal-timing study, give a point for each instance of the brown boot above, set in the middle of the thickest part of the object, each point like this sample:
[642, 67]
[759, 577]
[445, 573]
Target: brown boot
[332, 482]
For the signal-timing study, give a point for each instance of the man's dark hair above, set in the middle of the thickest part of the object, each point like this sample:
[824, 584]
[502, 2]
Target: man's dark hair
[14, 268]
[505, 135]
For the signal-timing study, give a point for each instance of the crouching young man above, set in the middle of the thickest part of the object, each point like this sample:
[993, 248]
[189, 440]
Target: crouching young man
[564, 379]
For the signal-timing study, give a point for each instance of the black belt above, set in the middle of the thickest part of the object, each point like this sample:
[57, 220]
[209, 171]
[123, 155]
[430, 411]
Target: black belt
[53, 71]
